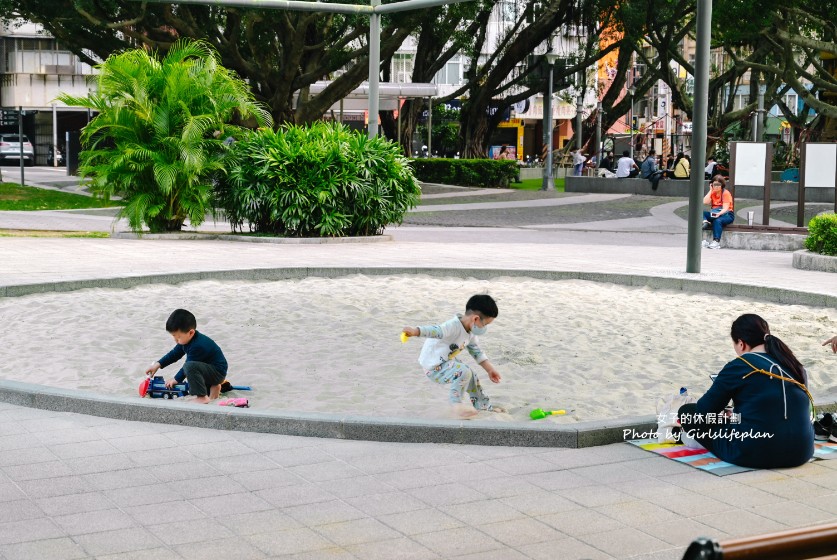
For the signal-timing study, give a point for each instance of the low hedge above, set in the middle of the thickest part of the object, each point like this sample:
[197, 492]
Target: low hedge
[466, 172]
[822, 234]
[322, 180]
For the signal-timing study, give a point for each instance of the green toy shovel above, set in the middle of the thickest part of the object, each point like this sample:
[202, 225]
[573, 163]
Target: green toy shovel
[540, 413]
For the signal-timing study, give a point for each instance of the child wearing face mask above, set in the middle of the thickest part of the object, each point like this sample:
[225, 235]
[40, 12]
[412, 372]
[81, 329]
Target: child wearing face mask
[445, 341]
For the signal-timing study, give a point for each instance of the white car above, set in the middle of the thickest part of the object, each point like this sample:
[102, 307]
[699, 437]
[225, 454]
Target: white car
[10, 149]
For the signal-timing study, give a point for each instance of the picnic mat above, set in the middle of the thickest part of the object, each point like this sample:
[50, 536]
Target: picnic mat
[706, 461]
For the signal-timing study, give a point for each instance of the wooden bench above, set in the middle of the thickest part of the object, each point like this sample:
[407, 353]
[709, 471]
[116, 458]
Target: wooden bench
[808, 543]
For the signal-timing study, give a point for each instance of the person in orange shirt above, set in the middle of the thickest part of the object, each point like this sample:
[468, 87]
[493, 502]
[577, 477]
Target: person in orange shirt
[721, 212]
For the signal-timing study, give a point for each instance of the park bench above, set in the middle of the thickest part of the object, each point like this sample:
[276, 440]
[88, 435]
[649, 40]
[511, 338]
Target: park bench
[807, 543]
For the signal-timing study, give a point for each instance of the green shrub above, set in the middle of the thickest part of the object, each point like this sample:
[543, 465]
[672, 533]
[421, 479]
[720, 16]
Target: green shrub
[466, 172]
[320, 181]
[152, 142]
[822, 234]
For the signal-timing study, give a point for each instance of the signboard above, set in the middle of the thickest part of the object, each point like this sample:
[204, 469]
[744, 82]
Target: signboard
[456, 105]
[750, 163]
[9, 117]
[820, 164]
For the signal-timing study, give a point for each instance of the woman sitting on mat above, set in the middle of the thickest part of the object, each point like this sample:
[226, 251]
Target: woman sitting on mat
[770, 424]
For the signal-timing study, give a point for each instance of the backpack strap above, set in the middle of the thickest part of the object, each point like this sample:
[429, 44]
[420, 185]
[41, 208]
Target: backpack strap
[782, 377]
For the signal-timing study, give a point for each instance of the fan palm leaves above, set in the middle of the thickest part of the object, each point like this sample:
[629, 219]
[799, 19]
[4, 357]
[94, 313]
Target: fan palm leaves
[153, 141]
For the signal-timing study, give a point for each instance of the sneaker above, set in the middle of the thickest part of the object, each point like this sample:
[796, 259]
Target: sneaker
[706, 224]
[823, 427]
[705, 243]
[832, 437]
[715, 245]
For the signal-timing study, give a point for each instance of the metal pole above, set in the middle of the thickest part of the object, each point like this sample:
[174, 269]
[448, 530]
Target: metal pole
[631, 123]
[325, 7]
[399, 125]
[548, 182]
[374, 68]
[54, 136]
[429, 126]
[20, 142]
[341, 110]
[699, 128]
[760, 117]
[598, 134]
[579, 119]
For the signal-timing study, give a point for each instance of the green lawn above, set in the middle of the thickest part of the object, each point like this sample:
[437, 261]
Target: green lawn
[15, 197]
[536, 184]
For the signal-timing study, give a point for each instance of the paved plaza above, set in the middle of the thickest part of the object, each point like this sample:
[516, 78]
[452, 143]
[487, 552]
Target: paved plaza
[78, 486]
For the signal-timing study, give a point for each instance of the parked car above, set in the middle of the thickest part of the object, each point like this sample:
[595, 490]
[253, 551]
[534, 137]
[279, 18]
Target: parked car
[59, 152]
[10, 149]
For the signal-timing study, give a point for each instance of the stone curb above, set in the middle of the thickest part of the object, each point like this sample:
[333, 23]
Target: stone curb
[311, 424]
[198, 236]
[581, 434]
[806, 260]
[757, 241]
[764, 293]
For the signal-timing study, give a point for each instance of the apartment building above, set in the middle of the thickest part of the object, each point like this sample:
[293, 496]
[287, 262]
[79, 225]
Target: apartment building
[34, 69]
[523, 126]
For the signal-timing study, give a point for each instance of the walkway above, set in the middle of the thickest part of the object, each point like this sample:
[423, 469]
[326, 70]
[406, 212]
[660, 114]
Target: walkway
[77, 486]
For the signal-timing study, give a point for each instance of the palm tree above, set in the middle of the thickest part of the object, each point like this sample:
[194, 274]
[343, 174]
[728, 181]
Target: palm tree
[157, 140]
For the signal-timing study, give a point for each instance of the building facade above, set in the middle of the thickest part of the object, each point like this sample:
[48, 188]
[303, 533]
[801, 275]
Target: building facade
[34, 70]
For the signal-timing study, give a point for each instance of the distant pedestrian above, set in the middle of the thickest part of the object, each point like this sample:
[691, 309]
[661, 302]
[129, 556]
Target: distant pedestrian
[626, 167]
[649, 169]
[578, 162]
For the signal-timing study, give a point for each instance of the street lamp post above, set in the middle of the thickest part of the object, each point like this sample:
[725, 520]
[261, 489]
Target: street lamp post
[548, 181]
[700, 116]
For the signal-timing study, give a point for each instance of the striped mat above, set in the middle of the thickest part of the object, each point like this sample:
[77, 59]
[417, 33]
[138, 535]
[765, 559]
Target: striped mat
[706, 461]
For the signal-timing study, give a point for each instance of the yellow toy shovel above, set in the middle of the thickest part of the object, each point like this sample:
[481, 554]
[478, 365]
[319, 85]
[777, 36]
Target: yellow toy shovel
[540, 413]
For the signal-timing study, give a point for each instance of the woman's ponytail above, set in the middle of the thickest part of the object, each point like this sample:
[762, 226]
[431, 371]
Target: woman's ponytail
[780, 351]
[754, 331]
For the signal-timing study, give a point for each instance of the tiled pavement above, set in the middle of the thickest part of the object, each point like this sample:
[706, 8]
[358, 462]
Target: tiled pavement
[75, 486]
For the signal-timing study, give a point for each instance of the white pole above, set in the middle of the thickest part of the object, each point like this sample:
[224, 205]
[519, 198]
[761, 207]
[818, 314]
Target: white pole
[54, 136]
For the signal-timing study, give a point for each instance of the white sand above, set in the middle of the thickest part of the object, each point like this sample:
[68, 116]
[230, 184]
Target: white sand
[332, 345]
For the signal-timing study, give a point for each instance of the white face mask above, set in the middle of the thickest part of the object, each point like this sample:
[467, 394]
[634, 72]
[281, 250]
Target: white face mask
[478, 330]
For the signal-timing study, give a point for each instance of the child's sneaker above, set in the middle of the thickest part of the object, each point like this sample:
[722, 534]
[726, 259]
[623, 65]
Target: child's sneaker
[715, 245]
[706, 224]
[823, 427]
[705, 243]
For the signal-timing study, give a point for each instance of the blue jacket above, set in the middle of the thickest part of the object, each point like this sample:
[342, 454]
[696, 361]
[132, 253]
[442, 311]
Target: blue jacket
[649, 166]
[200, 349]
[766, 405]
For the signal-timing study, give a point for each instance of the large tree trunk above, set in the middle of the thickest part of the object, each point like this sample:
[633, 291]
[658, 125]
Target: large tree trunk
[474, 126]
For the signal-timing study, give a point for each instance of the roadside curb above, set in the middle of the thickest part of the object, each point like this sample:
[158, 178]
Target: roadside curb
[199, 236]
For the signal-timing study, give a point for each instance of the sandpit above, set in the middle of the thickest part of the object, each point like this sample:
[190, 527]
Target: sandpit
[331, 345]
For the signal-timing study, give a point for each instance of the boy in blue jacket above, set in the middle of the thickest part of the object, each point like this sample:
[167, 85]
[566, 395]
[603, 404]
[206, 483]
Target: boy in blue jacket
[205, 367]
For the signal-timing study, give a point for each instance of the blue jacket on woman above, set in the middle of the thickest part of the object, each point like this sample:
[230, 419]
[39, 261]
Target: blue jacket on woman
[775, 429]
